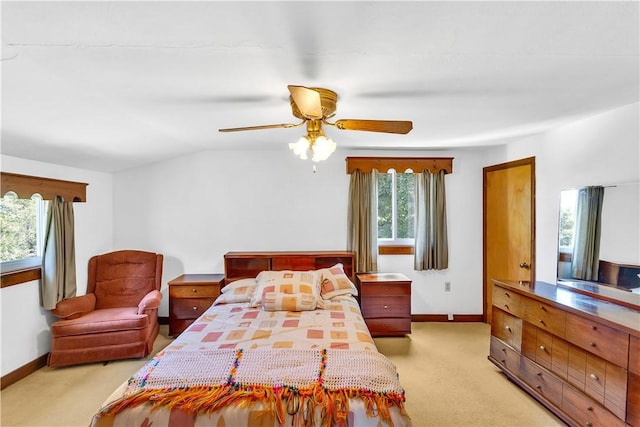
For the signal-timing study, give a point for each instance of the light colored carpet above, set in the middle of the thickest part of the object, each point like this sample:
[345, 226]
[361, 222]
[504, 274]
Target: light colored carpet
[442, 366]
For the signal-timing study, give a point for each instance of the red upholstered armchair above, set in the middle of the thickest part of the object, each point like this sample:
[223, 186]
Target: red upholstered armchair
[118, 316]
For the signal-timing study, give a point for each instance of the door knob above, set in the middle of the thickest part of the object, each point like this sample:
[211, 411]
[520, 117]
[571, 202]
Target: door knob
[524, 265]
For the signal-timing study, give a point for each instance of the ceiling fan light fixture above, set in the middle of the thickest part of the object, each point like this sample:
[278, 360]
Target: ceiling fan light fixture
[322, 148]
[300, 148]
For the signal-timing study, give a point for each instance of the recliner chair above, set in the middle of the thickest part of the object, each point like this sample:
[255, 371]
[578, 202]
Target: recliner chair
[118, 316]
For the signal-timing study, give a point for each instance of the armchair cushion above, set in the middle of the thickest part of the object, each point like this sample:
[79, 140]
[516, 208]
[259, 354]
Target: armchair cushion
[101, 321]
[150, 301]
[75, 307]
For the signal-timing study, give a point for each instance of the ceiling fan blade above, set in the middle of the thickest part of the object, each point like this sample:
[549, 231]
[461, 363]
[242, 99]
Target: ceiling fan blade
[387, 126]
[307, 100]
[282, 125]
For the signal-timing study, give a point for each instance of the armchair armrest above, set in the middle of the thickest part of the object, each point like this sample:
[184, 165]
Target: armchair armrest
[150, 301]
[75, 307]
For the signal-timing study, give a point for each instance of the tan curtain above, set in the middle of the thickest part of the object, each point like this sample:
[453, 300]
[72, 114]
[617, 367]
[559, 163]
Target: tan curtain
[585, 260]
[58, 280]
[363, 220]
[431, 246]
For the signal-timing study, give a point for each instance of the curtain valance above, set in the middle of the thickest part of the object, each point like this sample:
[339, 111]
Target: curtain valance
[25, 186]
[400, 164]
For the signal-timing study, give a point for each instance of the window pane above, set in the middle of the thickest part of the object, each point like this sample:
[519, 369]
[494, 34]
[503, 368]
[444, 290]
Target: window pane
[18, 228]
[405, 199]
[385, 208]
[568, 206]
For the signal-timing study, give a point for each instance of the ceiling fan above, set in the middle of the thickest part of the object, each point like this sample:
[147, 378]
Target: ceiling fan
[314, 106]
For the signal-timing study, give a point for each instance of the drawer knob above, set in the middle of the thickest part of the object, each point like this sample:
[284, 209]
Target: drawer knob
[541, 321]
[508, 328]
[506, 294]
[594, 377]
[539, 387]
[506, 306]
[542, 308]
[543, 348]
[504, 362]
[195, 308]
[590, 408]
[386, 306]
[194, 290]
[592, 344]
[588, 424]
[539, 374]
[594, 327]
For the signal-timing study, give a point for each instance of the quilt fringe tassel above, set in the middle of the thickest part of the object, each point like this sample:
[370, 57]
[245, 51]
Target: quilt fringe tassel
[300, 403]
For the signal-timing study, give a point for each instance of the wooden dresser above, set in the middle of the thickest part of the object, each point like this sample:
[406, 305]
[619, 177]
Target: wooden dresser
[572, 347]
[189, 296]
[385, 299]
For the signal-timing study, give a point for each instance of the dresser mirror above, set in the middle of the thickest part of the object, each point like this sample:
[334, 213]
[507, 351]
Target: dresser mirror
[619, 241]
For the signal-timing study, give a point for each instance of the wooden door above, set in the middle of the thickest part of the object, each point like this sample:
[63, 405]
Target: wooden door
[509, 225]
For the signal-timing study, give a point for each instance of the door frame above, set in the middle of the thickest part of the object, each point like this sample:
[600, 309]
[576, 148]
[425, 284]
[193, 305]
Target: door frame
[515, 163]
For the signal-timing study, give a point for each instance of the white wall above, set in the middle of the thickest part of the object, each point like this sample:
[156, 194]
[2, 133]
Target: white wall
[196, 208]
[25, 325]
[601, 150]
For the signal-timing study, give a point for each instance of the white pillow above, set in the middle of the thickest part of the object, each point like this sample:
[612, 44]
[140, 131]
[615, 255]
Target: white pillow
[286, 281]
[239, 284]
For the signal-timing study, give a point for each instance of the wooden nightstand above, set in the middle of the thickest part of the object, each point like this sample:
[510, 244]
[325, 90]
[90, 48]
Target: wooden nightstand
[189, 296]
[385, 299]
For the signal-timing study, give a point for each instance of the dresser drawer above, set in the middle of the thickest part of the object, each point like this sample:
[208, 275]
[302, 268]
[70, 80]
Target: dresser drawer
[194, 291]
[389, 326]
[608, 343]
[603, 381]
[508, 301]
[507, 328]
[542, 381]
[386, 306]
[545, 316]
[633, 400]
[369, 289]
[189, 308]
[505, 355]
[585, 412]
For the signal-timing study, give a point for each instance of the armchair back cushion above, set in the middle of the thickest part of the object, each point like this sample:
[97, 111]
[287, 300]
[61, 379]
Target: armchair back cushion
[123, 278]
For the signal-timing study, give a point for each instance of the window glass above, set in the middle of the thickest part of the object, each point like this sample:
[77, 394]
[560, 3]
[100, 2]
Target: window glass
[22, 223]
[396, 207]
[568, 206]
[405, 202]
[385, 206]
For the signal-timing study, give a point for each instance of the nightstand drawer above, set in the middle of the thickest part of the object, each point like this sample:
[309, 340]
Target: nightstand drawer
[385, 306]
[385, 289]
[194, 291]
[190, 308]
[389, 326]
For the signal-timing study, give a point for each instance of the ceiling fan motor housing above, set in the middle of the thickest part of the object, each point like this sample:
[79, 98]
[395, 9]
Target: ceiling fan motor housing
[328, 100]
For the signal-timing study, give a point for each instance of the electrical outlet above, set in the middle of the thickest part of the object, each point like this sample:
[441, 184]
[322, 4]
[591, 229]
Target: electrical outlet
[450, 316]
[447, 286]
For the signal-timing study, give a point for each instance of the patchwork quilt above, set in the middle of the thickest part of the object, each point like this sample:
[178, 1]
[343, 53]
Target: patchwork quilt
[239, 365]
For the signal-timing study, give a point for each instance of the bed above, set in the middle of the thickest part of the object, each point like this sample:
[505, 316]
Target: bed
[284, 344]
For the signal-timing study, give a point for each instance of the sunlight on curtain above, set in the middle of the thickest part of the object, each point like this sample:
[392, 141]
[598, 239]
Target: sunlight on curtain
[431, 246]
[363, 220]
[586, 247]
[58, 260]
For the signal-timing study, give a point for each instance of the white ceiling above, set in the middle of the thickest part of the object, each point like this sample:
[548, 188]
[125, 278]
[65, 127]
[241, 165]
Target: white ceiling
[113, 85]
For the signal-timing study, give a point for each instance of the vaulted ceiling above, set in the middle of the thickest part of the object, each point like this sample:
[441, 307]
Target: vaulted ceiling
[114, 85]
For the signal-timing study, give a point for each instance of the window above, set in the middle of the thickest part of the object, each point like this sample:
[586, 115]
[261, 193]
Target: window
[568, 206]
[22, 225]
[396, 208]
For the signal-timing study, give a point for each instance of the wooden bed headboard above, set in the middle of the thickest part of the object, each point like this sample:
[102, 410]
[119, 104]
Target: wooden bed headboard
[242, 265]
